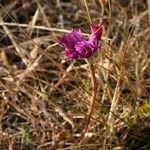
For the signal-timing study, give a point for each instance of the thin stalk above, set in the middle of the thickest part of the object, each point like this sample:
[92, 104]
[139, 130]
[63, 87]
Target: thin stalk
[92, 103]
[88, 11]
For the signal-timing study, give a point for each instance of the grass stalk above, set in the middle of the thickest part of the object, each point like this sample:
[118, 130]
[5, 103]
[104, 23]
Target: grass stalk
[88, 11]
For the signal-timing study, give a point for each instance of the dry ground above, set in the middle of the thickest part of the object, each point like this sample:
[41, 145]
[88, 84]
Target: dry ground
[44, 97]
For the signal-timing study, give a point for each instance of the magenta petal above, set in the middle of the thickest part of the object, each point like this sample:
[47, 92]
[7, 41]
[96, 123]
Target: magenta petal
[97, 30]
[84, 49]
[71, 54]
[93, 43]
[69, 41]
[62, 41]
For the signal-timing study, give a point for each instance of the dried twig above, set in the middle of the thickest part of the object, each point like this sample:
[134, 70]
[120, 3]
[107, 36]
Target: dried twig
[19, 50]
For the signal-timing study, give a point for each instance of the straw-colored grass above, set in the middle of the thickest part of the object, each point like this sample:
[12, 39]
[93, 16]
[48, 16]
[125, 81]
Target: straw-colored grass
[44, 98]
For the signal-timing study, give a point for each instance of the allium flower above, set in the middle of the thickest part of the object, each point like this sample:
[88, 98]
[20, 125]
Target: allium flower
[78, 47]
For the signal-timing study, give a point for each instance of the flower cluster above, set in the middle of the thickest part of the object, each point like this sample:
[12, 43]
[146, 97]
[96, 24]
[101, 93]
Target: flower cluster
[78, 47]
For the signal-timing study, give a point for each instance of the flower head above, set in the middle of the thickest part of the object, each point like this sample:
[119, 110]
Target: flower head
[78, 47]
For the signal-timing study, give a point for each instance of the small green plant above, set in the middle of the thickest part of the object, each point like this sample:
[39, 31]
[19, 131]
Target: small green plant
[25, 134]
[76, 147]
[141, 112]
[144, 111]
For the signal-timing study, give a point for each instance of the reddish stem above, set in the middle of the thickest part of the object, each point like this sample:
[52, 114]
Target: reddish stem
[92, 103]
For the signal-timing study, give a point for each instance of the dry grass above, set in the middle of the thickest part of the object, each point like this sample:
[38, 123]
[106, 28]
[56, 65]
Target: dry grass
[44, 98]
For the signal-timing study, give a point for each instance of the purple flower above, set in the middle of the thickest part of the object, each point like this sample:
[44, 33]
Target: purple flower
[78, 47]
